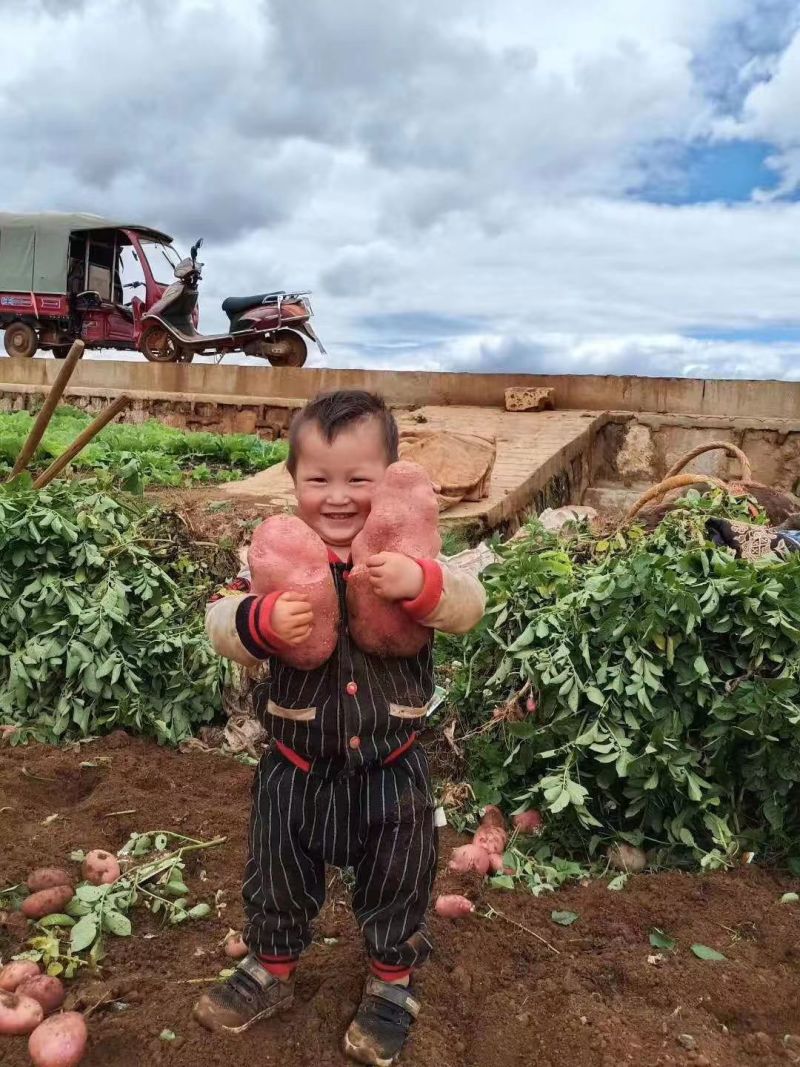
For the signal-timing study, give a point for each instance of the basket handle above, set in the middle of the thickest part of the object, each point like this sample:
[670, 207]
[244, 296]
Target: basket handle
[676, 481]
[711, 446]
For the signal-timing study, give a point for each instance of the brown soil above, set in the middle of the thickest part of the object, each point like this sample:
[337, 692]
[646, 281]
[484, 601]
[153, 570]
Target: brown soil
[493, 993]
[210, 516]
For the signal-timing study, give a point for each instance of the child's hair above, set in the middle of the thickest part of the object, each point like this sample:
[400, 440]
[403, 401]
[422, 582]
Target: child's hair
[335, 411]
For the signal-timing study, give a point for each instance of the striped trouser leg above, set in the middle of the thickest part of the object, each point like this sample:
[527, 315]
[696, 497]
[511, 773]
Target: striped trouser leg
[284, 885]
[395, 871]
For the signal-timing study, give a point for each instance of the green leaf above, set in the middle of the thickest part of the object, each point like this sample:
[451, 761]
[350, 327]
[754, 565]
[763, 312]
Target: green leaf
[116, 923]
[703, 952]
[790, 898]
[83, 933]
[596, 697]
[618, 883]
[90, 894]
[199, 911]
[56, 920]
[658, 939]
[502, 881]
[563, 918]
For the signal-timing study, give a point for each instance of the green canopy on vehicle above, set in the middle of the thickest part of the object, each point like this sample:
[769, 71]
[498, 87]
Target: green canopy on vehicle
[34, 249]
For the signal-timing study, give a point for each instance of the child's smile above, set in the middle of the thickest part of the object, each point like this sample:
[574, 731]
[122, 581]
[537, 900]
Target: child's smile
[335, 480]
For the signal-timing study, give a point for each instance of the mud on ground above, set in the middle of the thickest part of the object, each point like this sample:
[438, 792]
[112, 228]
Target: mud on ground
[493, 993]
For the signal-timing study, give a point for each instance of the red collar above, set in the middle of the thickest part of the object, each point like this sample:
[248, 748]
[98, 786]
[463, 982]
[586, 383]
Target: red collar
[333, 558]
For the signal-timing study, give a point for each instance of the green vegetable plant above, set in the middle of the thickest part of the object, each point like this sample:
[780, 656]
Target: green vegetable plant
[153, 878]
[101, 617]
[136, 455]
[641, 688]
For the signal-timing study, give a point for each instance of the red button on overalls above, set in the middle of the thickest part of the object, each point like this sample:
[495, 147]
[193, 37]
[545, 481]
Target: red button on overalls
[351, 689]
[355, 742]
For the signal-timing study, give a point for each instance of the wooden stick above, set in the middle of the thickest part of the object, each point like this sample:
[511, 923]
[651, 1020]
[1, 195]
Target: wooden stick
[81, 441]
[49, 406]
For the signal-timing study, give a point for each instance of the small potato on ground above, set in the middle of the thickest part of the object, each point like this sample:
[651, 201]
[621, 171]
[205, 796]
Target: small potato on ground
[48, 878]
[48, 991]
[59, 1042]
[17, 972]
[492, 838]
[235, 947]
[627, 858]
[19, 1014]
[47, 902]
[528, 822]
[100, 867]
[469, 858]
[453, 906]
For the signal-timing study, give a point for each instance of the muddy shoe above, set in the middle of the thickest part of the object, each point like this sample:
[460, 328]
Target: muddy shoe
[250, 994]
[377, 1034]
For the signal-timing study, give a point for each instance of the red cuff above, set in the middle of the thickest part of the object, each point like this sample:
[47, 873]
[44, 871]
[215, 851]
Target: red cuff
[432, 588]
[260, 622]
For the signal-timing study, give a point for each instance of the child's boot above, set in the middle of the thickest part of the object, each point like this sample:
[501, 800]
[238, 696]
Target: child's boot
[379, 1030]
[250, 994]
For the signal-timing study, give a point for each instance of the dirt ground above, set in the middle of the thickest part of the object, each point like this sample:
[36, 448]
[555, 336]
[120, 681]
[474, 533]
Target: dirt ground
[493, 993]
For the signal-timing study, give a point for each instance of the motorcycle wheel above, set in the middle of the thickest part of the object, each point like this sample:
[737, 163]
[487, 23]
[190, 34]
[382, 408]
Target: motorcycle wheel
[159, 346]
[288, 349]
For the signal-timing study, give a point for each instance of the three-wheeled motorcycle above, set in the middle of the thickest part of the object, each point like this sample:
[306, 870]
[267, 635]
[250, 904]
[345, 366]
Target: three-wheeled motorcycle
[68, 276]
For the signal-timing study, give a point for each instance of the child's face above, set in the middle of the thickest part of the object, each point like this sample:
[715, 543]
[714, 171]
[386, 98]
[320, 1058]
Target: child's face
[334, 481]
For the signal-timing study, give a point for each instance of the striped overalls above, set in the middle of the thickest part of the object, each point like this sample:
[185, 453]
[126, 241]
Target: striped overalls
[345, 784]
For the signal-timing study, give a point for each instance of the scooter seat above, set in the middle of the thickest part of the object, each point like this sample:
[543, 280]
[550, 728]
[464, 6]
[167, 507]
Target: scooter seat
[235, 305]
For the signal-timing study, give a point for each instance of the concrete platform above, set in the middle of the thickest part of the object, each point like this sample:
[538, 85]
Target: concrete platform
[532, 448]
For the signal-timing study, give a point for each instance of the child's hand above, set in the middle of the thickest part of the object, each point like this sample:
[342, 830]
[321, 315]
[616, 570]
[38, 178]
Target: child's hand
[292, 618]
[394, 576]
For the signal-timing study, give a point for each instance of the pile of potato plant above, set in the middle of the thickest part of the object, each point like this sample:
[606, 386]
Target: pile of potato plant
[101, 616]
[641, 688]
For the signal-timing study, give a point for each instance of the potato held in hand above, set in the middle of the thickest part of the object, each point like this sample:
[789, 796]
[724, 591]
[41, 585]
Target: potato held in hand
[287, 555]
[403, 518]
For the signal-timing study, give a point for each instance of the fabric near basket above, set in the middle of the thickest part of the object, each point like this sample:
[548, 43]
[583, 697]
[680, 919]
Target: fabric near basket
[459, 464]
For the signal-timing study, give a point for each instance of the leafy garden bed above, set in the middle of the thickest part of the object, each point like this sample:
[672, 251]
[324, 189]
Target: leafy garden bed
[138, 455]
[642, 688]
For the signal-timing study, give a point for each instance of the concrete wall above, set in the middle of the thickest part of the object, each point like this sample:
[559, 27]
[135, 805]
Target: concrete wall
[642, 448]
[234, 384]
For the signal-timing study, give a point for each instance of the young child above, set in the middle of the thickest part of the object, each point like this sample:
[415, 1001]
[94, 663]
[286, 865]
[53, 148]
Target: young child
[344, 782]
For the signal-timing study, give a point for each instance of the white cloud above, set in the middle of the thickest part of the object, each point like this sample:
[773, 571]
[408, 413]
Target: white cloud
[452, 179]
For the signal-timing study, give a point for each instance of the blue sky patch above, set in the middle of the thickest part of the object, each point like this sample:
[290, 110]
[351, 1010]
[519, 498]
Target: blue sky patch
[701, 172]
[787, 333]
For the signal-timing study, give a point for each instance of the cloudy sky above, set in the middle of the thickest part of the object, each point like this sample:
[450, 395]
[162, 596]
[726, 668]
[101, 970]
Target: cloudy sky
[589, 186]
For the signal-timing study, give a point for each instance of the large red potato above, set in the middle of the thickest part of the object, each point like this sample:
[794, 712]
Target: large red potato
[16, 972]
[100, 867]
[287, 555]
[404, 518]
[47, 902]
[59, 1042]
[19, 1014]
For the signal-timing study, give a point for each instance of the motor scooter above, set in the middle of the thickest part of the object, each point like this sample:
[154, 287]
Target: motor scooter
[267, 325]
